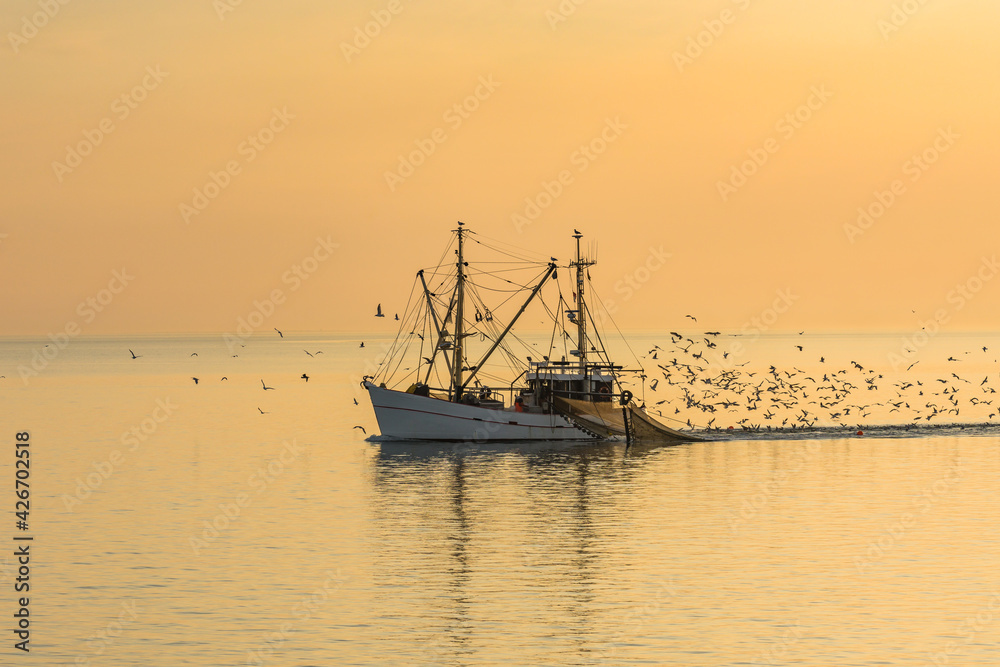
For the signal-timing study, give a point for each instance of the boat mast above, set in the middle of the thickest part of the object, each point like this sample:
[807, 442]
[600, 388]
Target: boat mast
[581, 314]
[456, 379]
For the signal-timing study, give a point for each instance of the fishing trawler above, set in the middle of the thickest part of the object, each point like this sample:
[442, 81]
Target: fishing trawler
[449, 393]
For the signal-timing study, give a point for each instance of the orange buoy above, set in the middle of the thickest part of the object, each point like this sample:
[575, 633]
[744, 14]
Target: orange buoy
[860, 433]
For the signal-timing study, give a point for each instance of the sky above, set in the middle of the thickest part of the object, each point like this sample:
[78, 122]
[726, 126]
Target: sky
[175, 167]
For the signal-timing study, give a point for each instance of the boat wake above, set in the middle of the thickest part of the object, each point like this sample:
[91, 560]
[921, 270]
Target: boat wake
[837, 432]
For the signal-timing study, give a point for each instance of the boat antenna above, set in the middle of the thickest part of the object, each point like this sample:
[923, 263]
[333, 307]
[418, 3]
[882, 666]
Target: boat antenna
[456, 380]
[581, 305]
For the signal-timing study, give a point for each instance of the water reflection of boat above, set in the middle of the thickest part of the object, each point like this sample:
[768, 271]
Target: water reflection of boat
[451, 396]
[531, 535]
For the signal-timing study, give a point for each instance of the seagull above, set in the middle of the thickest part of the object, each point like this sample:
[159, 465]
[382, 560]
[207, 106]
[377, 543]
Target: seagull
[265, 386]
[262, 412]
[355, 401]
[800, 347]
[378, 313]
[362, 429]
[305, 377]
[223, 378]
[692, 317]
[194, 354]
[308, 352]
[134, 355]
[195, 380]
[397, 317]
[362, 343]
[279, 333]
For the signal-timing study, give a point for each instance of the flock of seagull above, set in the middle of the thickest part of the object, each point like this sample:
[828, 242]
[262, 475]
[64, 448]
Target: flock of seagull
[263, 385]
[693, 382]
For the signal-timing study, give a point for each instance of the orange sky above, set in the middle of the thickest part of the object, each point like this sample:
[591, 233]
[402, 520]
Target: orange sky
[308, 129]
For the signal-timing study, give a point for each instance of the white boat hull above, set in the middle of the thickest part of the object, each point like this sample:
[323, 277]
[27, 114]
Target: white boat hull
[410, 417]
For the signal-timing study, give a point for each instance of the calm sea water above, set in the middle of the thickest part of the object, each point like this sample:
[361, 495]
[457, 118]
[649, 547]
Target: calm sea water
[175, 524]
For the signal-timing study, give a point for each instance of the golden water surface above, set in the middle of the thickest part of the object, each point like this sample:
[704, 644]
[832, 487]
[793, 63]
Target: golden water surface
[175, 524]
